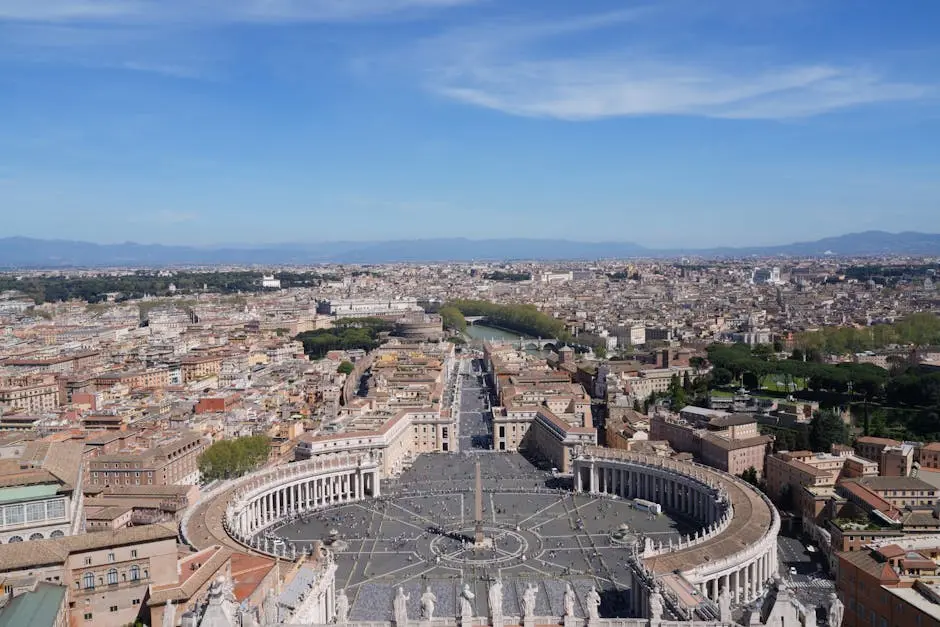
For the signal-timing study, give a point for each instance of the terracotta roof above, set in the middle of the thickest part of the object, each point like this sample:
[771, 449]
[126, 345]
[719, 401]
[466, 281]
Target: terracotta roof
[734, 420]
[869, 439]
[895, 483]
[209, 562]
[248, 572]
[733, 445]
[890, 551]
[20, 555]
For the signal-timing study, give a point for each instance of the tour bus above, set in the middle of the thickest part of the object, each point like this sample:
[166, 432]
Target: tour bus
[648, 506]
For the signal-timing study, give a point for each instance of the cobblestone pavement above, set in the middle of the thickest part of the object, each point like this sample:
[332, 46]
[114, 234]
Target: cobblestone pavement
[417, 535]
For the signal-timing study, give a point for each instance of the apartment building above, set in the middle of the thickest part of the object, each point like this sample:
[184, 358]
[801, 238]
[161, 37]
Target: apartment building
[134, 379]
[198, 367]
[41, 492]
[729, 442]
[890, 586]
[31, 393]
[108, 575]
[803, 474]
[171, 462]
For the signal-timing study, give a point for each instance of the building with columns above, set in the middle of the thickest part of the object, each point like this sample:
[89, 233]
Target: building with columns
[736, 551]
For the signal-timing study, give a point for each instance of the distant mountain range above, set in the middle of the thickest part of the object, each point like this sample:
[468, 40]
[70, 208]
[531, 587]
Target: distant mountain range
[23, 252]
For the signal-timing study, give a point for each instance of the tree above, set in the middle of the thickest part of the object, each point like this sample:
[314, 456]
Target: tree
[763, 351]
[345, 367]
[749, 380]
[722, 376]
[677, 395]
[637, 406]
[226, 459]
[600, 352]
[750, 475]
[686, 382]
[826, 429]
[452, 318]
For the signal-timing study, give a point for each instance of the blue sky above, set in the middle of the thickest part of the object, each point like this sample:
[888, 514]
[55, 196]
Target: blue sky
[667, 123]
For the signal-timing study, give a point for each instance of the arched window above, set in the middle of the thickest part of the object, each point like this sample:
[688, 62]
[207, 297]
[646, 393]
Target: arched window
[112, 576]
[135, 572]
[36, 536]
[88, 581]
[57, 534]
[14, 539]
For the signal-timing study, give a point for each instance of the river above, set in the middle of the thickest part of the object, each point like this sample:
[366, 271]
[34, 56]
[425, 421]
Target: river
[482, 332]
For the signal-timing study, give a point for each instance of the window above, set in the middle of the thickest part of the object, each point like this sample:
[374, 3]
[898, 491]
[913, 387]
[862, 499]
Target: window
[133, 553]
[112, 577]
[110, 558]
[113, 608]
[88, 581]
[14, 539]
[87, 615]
[87, 561]
[13, 514]
[35, 511]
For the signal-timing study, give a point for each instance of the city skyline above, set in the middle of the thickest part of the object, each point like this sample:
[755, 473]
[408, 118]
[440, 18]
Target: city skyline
[666, 124]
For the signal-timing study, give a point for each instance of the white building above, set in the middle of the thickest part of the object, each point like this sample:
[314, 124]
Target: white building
[43, 497]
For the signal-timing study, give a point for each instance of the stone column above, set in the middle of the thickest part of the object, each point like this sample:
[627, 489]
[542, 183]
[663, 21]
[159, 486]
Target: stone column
[593, 470]
[376, 484]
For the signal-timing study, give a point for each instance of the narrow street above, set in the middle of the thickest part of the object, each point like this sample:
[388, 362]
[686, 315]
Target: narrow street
[475, 422]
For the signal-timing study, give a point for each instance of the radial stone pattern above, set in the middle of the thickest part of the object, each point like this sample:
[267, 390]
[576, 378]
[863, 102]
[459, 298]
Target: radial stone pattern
[422, 533]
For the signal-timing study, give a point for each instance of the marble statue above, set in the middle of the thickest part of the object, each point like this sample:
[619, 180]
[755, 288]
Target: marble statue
[569, 600]
[836, 610]
[342, 607]
[809, 616]
[247, 617]
[724, 605]
[466, 608]
[400, 605]
[528, 599]
[427, 604]
[593, 600]
[269, 608]
[169, 615]
[496, 600]
[656, 606]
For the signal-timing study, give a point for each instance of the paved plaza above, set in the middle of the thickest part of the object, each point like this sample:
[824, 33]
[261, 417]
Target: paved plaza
[474, 429]
[419, 533]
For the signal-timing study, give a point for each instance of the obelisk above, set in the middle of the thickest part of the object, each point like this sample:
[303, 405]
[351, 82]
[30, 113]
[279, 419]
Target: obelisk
[478, 509]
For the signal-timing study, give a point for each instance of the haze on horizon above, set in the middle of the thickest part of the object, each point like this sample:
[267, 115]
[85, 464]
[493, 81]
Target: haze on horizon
[670, 123]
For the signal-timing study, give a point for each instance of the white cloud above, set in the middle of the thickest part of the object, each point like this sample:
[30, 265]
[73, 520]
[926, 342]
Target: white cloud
[585, 89]
[150, 11]
[501, 67]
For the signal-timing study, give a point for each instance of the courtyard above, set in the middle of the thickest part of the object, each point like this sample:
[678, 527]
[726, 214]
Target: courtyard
[419, 534]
